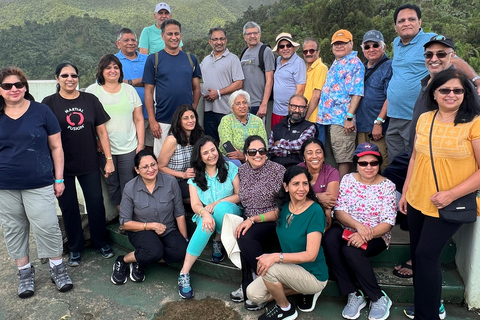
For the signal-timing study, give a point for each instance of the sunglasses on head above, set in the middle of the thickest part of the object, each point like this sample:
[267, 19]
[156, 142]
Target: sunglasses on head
[439, 54]
[455, 91]
[311, 51]
[65, 76]
[366, 163]
[253, 152]
[367, 46]
[8, 86]
[288, 45]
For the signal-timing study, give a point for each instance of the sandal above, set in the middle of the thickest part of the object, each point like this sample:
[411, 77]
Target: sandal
[404, 276]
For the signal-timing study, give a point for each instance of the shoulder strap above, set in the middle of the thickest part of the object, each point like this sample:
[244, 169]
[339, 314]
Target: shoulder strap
[243, 52]
[261, 61]
[191, 62]
[431, 152]
[373, 70]
[156, 64]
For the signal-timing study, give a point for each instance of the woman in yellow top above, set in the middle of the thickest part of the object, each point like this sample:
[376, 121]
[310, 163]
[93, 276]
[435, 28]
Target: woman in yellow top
[456, 154]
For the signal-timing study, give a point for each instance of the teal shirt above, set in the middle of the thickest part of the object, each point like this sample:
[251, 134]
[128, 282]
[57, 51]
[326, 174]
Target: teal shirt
[232, 130]
[151, 39]
[294, 237]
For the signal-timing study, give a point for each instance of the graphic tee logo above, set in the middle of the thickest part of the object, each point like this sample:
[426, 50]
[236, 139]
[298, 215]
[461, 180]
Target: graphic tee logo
[75, 119]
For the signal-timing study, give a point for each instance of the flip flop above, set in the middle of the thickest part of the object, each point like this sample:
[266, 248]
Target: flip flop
[405, 276]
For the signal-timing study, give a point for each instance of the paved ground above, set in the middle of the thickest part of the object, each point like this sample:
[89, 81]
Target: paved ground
[95, 297]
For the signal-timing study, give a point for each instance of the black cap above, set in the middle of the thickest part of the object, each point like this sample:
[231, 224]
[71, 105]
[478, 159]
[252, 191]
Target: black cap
[440, 39]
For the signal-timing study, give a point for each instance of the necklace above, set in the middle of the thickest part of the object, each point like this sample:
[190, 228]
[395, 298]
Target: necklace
[445, 119]
[291, 215]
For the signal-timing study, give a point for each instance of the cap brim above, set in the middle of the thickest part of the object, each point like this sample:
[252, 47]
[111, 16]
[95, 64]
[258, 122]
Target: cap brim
[364, 153]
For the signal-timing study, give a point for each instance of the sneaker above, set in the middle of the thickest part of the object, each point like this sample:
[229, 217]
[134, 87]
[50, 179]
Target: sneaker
[355, 304]
[410, 312]
[26, 288]
[107, 252]
[219, 253]
[184, 288]
[277, 313]
[119, 275]
[60, 277]
[380, 309]
[75, 259]
[252, 306]
[137, 274]
[237, 295]
[308, 302]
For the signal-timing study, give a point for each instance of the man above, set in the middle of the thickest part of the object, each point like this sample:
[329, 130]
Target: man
[133, 63]
[316, 75]
[287, 137]
[341, 94]
[258, 74]
[175, 78]
[151, 40]
[222, 75]
[289, 77]
[372, 109]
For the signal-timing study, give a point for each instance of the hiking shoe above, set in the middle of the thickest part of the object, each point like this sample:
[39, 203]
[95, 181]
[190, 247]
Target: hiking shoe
[184, 288]
[107, 252]
[237, 295]
[60, 277]
[355, 304]
[277, 313]
[219, 253]
[380, 309]
[119, 275]
[252, 306]
[410, 312]
[26, 288]
[308, 302]
[75, 259]
[137, 274]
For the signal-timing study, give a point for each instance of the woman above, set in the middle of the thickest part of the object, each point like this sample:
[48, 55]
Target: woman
[260, 180]
[177, 149]
[213, 193]
[456, 151]
[30, 149]
[82, 119]
[325, 178]
[238, 125]
[365, 211]
[153, 216]
[125, 128]
[300, 268]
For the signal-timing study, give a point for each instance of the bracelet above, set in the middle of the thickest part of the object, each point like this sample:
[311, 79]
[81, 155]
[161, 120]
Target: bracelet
[59, 180]
[263, 218]
[381, 120]
[219, 95]
[109, 158]
[350, 115]
[251, 220]
[475, 79]
[144, 226]
[200, 212]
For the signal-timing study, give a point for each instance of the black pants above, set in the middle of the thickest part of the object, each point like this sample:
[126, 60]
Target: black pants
[348, 263]
[428, 236]
[68, 202]
[150, 247]
[258, 239]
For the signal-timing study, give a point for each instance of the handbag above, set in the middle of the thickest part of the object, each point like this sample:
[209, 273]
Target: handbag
[461, 210]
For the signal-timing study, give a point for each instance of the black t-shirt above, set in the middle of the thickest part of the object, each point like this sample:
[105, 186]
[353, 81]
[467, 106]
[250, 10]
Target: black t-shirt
[78, 119]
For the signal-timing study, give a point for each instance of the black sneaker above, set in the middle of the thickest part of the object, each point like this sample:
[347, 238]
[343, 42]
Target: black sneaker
[119, 275]
[219, 252]
[307, 302]
[137, 274]
[277, 313]
[107, 252]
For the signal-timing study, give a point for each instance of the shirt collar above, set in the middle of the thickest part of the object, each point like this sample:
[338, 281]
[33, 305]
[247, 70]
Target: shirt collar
[158, 183]
[224, 54]
[414, 40]
[122, 56]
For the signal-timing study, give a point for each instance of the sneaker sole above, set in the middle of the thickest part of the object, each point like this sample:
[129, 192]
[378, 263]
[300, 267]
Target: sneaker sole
[386, 315]
[26, 294]
[407, 315]
[193, 295]
[108, 256]
[237, 300]
[259, 307]
[133, 279]
[358, 313]
[314, 302]
[292, 317]
[73, 264]
[442, 316]
[115, 282]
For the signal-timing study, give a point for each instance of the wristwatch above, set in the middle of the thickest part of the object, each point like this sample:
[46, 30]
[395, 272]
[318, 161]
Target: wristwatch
[349, 119]
[378, 122]
[281, 257]
[130, 82]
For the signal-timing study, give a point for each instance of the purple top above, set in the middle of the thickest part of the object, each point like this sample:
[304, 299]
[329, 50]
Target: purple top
[325, 176]
[259, 186]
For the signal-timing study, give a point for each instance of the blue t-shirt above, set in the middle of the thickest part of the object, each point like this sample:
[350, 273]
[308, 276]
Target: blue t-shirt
[173, 83]
[25, 161]
[285, 80]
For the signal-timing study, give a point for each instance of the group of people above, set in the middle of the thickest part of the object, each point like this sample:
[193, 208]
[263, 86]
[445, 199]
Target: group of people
[301, 217]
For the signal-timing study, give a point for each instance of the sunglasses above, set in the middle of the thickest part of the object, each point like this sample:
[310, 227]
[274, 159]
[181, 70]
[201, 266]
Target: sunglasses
[253, 152]
[455, 91]
[8, 86]
[366, 163]
[288, 45]
[65, 76]
[439, 54]
[367, 46]
[311, 51]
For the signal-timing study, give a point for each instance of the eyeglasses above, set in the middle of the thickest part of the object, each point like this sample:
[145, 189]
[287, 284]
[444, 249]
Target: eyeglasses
[366, 163]
[8, 86]
[145, 168]
[252, 34]
[367, 46]
[311, 51]
[65, 76]
[253, 152]
[240, 103]
[440, 54]
[446, 91]
[339, 43]
[288, 45]
[294, 106]
[218, 39]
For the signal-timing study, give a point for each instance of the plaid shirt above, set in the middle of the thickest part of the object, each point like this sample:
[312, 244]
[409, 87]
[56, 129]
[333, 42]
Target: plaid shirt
[285, 147]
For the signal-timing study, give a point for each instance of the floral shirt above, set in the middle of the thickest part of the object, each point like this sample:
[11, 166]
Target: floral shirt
[368, 204]
[345, 78]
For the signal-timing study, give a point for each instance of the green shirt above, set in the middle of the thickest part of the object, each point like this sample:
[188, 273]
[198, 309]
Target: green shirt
[151, 39]
[230, 129]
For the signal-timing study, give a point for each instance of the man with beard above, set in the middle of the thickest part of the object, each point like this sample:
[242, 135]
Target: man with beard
[287, 137]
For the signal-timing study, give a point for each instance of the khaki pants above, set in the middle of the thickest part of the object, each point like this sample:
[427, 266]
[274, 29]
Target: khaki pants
[381, 144]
